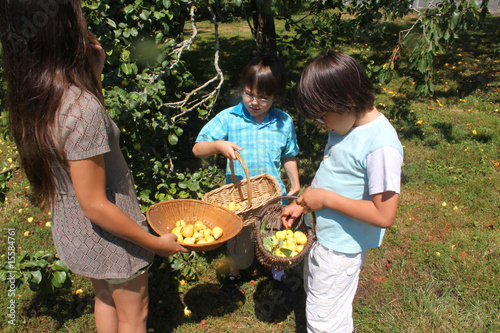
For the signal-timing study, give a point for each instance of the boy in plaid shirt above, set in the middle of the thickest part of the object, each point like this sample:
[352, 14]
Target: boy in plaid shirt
[265, 138]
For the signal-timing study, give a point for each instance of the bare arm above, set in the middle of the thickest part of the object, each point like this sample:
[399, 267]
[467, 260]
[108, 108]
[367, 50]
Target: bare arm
[379, 212]
[204, 149]
[89, 181]
[292, 172]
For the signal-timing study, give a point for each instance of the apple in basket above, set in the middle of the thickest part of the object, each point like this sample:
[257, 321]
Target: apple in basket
[196, 233]
[233, 206]
[285, 243]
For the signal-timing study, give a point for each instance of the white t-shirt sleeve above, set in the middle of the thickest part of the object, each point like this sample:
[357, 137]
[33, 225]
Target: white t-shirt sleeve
[384, 170]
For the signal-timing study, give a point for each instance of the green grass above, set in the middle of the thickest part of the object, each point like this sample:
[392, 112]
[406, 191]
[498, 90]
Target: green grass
[439, 266]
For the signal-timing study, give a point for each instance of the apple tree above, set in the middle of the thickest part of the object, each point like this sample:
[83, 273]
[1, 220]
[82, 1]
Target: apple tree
[416, 48]
[149, 91]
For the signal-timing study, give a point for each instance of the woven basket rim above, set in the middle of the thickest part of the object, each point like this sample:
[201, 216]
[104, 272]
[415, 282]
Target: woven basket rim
[253, 205]
[198, 247]
[234, 186]
[270, 260]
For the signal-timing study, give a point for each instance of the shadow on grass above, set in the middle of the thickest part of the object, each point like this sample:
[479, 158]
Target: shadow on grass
[202, 301]
[165, 306]
[61, 306]
[166, 310]
[272, 306]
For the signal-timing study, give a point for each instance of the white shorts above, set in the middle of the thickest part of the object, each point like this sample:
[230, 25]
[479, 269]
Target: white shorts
[330, 280]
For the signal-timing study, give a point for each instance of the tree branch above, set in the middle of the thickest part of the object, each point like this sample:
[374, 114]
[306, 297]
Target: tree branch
[187, 105]
[186, 44]
[9, 170]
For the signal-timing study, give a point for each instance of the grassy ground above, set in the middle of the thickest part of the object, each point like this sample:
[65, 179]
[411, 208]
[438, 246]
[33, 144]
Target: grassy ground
[439, 266]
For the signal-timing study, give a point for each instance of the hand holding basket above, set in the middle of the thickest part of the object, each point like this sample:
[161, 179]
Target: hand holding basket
[267, 222]
[256, 191]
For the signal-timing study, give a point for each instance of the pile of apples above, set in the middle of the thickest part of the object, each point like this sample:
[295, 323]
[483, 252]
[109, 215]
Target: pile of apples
[233, 206]
[285, 243]
[196, 233]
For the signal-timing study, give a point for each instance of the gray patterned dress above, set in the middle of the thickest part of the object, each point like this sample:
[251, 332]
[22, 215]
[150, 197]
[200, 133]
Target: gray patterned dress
[86, 130]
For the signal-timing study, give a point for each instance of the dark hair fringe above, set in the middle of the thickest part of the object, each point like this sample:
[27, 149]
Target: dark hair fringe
[266, 74]
[334, 82]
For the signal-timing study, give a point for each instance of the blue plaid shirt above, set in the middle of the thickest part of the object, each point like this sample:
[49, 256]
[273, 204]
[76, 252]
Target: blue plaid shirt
[264, 145]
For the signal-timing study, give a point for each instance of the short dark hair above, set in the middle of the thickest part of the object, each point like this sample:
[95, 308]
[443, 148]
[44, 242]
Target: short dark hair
[267, 74]
[334, 82]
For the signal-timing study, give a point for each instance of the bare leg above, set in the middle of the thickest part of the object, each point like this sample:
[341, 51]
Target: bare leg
[132, 300]
[106, 319]
[122, 307]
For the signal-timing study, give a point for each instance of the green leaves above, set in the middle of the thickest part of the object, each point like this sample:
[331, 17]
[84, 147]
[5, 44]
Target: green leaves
[188, 185]
[435, 28]
[173, 139]
[42, 271]
[141, 75]
[268, 243]
[186, 265]
[286, 252]
[129, 69]
[58, 279]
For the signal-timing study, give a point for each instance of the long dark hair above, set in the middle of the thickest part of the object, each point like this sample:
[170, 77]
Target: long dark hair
[45, 50]
[334, 82]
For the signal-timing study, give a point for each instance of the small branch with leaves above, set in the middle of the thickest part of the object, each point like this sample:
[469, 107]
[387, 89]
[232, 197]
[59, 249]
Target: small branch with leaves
[187, 104]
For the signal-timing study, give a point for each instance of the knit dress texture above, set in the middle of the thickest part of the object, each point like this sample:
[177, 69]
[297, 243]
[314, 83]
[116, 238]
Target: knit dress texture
[86, 130]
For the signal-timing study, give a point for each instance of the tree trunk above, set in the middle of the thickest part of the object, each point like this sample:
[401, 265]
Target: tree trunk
[264, 29]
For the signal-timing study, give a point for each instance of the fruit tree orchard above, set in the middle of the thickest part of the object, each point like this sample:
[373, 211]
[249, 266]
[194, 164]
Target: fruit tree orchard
[151, 92]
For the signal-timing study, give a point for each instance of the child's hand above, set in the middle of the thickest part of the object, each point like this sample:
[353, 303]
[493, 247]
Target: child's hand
[167, 245]
[290, 213]
[312, 200]
[227, 149]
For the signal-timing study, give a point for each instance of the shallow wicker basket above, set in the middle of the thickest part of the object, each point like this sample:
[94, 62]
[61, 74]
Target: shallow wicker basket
[163, 216]
[256, 190]
[271, 213]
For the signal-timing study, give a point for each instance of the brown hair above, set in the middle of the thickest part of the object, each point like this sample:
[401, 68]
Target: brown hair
[334, 82]
[45, 50]
[267, 74]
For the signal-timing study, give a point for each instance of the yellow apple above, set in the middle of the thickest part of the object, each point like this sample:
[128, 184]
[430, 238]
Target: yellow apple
[301, 239]
[188, 230]
[207, 233]
[198, 225]
[189, 240]
[281, 234]
[217, 232]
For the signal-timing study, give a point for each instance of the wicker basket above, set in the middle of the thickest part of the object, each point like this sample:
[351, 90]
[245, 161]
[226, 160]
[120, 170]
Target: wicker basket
[256, 191]
[163, 216]
[271, 213]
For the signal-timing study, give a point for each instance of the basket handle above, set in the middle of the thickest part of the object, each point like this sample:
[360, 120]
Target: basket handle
[273, 201]
[245, 169]
[289, 197]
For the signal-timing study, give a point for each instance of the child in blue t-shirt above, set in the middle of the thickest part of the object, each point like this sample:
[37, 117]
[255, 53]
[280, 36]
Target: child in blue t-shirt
[264, 136]
[355, 192]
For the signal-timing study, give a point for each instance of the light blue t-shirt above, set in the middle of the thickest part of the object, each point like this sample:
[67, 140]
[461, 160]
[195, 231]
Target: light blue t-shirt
[264, 145]
[345, 170]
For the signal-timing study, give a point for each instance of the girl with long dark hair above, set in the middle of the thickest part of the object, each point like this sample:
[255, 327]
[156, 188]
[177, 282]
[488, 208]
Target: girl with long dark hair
[69, 150]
